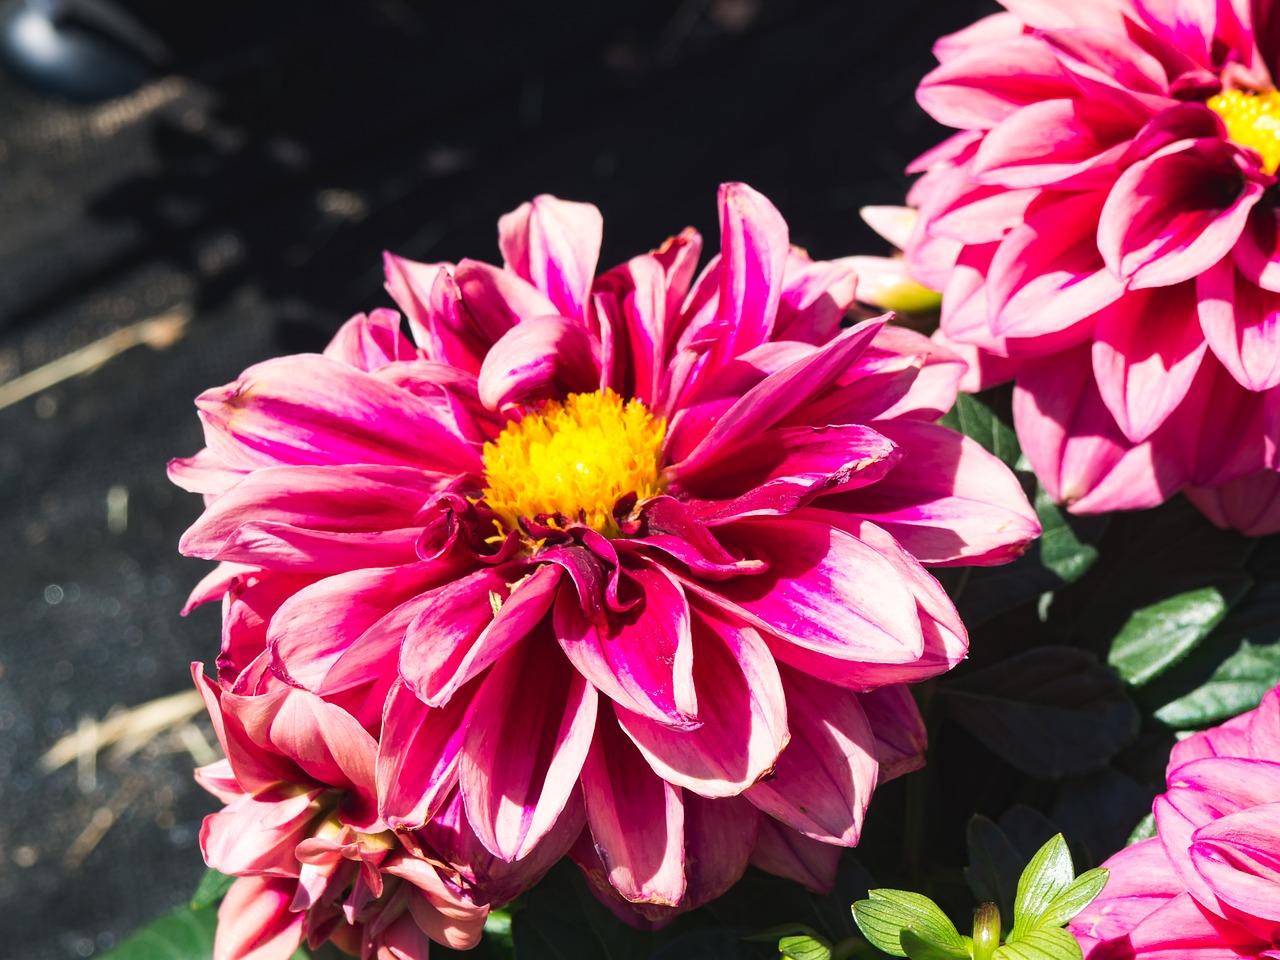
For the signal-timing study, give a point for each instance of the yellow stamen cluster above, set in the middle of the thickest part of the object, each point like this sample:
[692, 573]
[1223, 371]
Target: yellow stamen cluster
[576, 459]
[1252, 120]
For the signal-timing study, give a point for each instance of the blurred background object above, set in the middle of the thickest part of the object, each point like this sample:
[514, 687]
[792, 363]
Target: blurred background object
[229, 201]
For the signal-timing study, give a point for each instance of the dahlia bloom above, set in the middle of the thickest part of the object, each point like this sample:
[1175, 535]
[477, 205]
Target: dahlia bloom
[1106, 223]
[1208, 885]
[301, 830]
[629, 566]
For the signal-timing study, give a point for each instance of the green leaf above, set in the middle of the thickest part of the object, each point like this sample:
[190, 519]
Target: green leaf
[923, 948]
[1157, 636]
[1234, 687]
[1063, 908]
[1052, 712]
[1043, 943]
[184, 934]
[810, 947]
[886, 913]
[1060, 549]
[497, 932]
[994, 864]
[1048, 875]
[1145, 830]
[975, 419]
[213, 887]
[774, 934]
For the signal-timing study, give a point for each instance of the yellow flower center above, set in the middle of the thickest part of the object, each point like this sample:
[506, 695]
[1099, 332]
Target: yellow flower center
[576, 459]
[1252, 120]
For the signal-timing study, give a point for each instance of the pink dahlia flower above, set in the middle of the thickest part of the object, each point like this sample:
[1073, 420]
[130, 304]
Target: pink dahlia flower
[302, 831]
[630, 566]
[1207, 887]
[1107, 222]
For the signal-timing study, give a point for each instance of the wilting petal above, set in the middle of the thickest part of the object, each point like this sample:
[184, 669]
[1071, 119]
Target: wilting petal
[741, 707]
[533, 723]
[823, 779]
[258, 836]
[636, 819]
[554, 245]
[641, 659]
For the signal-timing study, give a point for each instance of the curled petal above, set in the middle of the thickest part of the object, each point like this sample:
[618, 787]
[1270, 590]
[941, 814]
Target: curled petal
[538, 359]
[554, 245]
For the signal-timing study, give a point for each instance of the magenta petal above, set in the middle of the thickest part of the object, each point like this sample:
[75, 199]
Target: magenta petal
[741, 706]
[418, 752]
[824, 591]
[1257, 254]
[1204, 203]
[533, 721]
[1182, 929]
[370, 342]
[1147, 348]
[1047, 273]
[554, 244]
[775, 397]
[719, 836]
[947, 501]
[814, 299]
[823, 779]
[636, 819]
[753, 258]
[785, 853]
[498, 299]
[641, 659]
[255, 922]
[257, 836]
[430, 297]
[1238, 856]
[309, 409]
[982, 85]
[1241, 322]
[542, 357]
[1054, 142]
[457, 634]
[1141, 881]
[1250, 504]
[901, 737]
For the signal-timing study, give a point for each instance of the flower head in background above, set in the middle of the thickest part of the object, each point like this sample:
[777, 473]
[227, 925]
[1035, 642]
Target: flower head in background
[301, 830]
[629, 566]
[1106, 224]
[1208, 885]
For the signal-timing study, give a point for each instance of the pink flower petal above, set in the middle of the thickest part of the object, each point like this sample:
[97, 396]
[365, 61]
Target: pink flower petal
[532, 726]
[741, 706]
[980, 86]
[636, 819]
[255, 835]
[783, 852]
[554, 245]
[1204, 202]
[899, 729]
[370, 342]
[541, 358]
[1147, 348]
[642, 659]
[418, 752]
[255, 922]
[823, 779]
[1241, 323]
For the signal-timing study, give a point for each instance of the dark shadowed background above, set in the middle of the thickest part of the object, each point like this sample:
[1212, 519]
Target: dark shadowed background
[235, 207]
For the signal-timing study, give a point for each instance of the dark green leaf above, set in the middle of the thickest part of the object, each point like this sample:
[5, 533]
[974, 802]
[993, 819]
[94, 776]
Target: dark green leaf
[184, 934]
[213, 887]
[1076, 897]
[805, 948]
[1095, 811]
[1145, 830]
[1046, 877]
[563, 921]
[1060, 549]
[1159, 635]
[994, 864]
[886, 913]
[1051, 712]
[1043, 943]
[974, 419]
[1234, 687]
